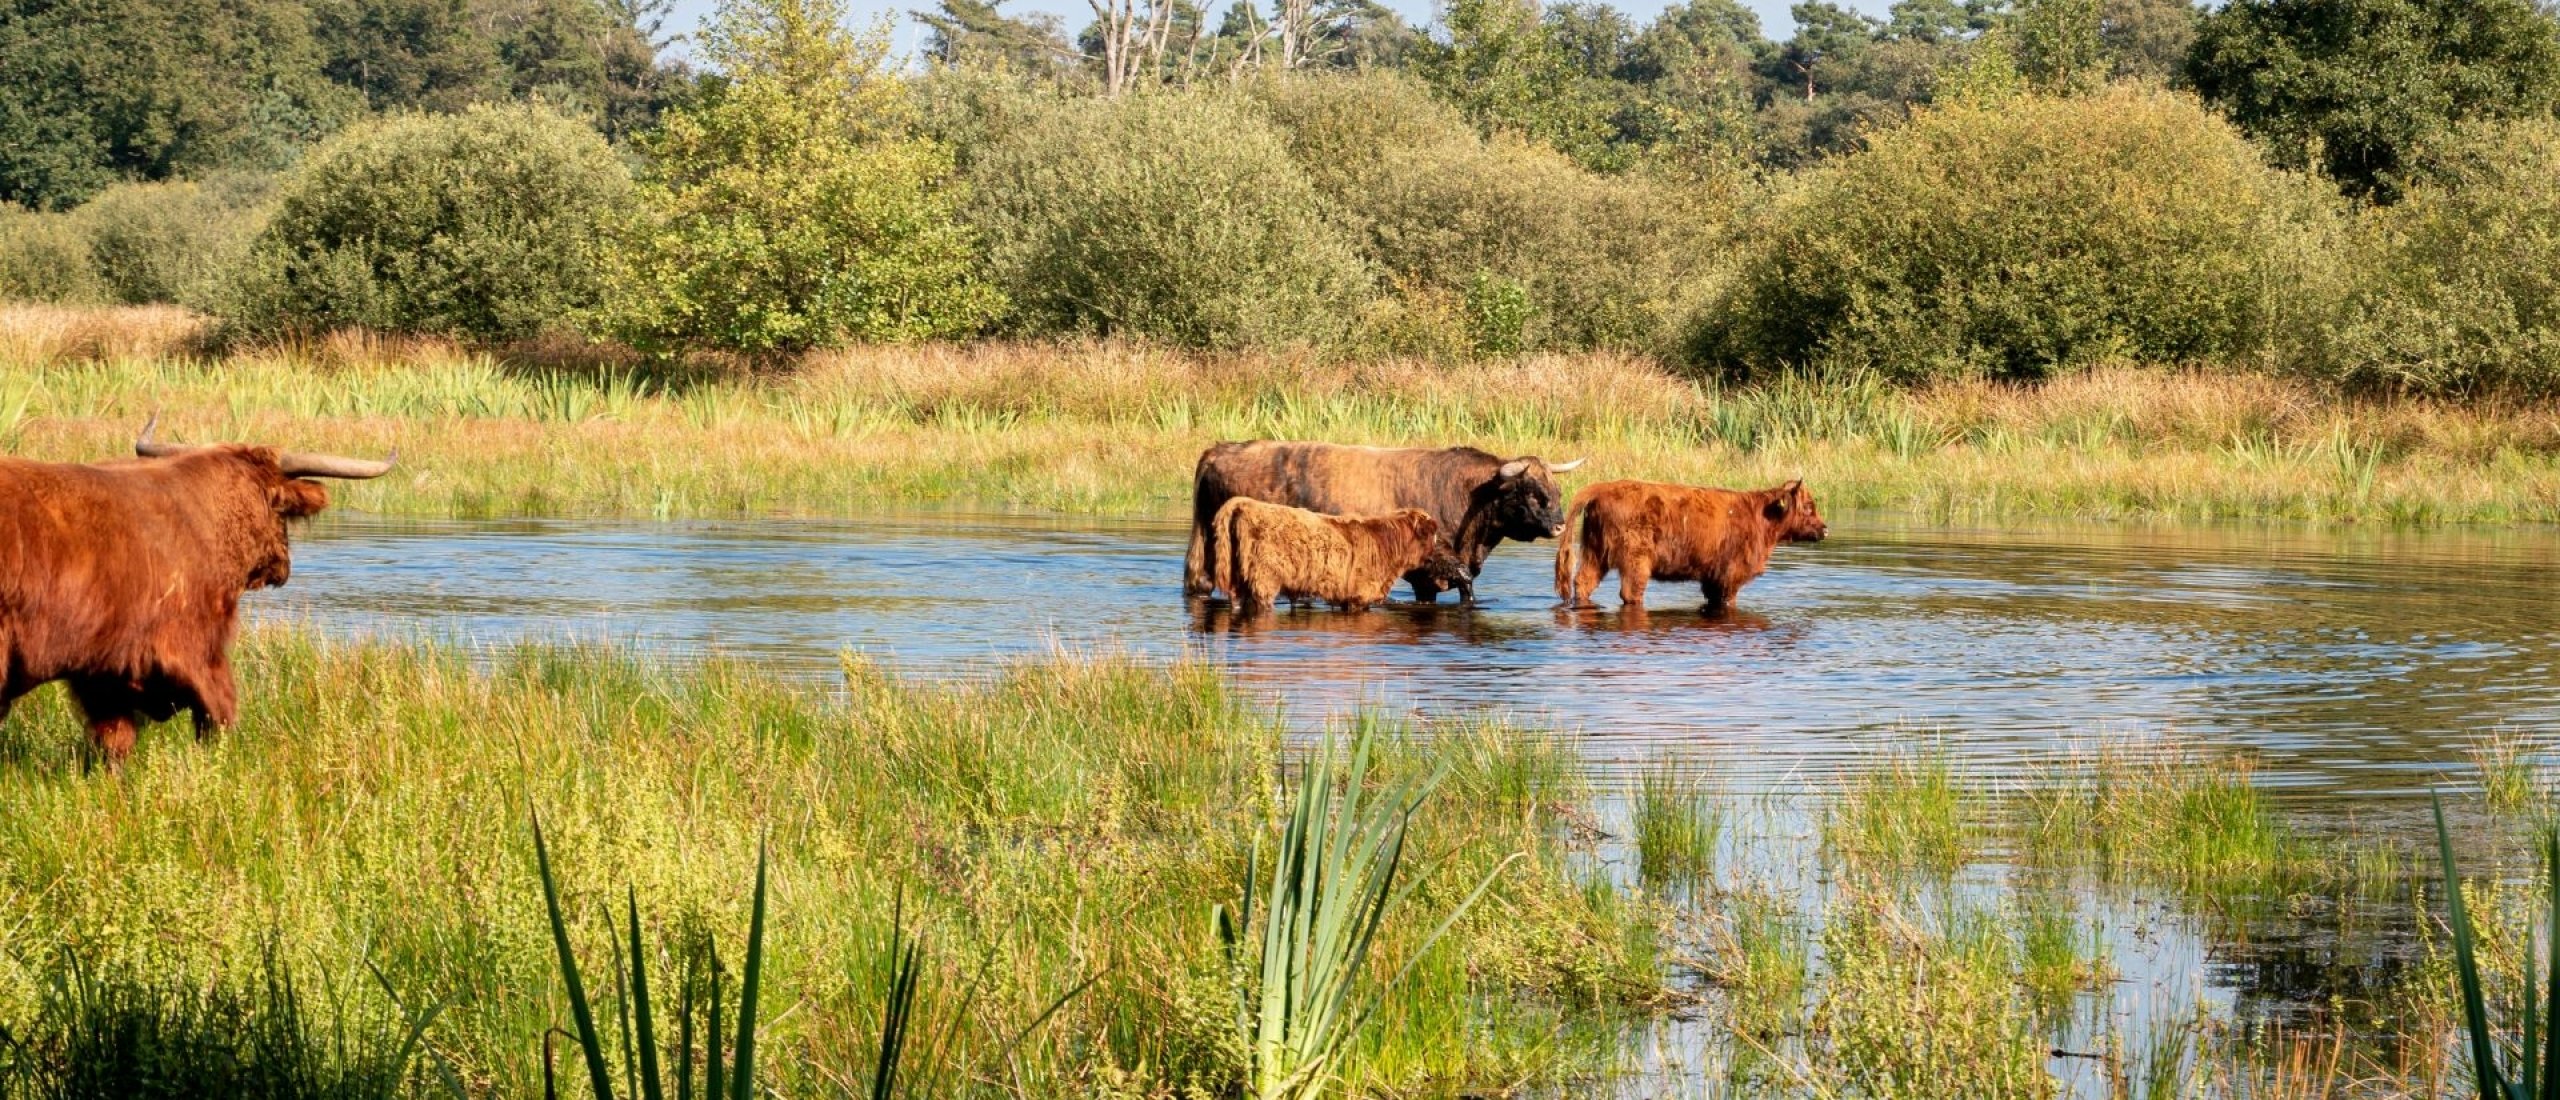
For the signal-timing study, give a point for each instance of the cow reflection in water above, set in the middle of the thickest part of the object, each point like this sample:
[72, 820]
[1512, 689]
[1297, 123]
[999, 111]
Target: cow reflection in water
[1636, 619]
[1392, 624]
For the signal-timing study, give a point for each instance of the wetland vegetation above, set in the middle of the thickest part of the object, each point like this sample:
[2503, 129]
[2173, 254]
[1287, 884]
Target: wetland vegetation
[355, 863]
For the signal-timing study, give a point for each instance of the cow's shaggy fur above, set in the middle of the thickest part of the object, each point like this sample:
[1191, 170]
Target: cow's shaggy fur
[1261, 553]
[1478, 499]
[123, 579]
[1649, 531]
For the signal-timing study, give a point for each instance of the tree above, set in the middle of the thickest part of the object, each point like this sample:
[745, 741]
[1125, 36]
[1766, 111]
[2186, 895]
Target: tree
[2147, 39]
[93, 91]
[792, 208]
[978, 33]
[2362, 86]
[2057, 45]
[1825, 32]
[1504, 67]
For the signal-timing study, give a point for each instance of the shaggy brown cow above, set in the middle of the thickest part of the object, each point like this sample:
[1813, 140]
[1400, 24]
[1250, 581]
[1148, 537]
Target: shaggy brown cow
[124, 578]
[1262, 552]
[1647, 531]
[1478, 498]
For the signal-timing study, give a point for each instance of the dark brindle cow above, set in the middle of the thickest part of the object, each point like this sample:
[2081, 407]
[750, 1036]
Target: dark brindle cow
[1647, 531]
[1477, 498]
[123, 579]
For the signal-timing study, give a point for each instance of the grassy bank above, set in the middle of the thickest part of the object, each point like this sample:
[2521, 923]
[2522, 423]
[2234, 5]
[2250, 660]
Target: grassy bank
[1073, 818]
[1114, 429]
[1080, 819]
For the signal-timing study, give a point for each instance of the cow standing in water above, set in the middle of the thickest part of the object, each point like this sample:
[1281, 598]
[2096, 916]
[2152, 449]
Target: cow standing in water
[1261, 553]
[1647, 531]
[123, 579]
[1478, 499]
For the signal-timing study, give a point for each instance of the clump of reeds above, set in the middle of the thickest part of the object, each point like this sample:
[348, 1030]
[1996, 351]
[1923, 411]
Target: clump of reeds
[1907, 812]
[1678, 824]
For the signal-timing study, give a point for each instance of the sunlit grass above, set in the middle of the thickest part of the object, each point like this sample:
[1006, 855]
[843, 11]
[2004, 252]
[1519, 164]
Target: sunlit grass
[1678, 823]
[1114, 429]
[1066, 818]
[1905, 812]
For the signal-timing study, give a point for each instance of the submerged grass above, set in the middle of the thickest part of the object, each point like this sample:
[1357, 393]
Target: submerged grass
[1115, 429]
[1065, 818]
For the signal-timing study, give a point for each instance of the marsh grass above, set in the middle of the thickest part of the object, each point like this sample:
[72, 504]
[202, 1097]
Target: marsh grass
[1061, 818]
[2059, 954]
[1907, 812]
[2167, 813]
[1678, 824]
[1111, 428]
[2511, 777]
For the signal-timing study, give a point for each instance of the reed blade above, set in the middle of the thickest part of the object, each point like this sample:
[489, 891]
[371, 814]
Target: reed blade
[2475, 1012]
[589, 1042]
[651, 1087]
[742, 1083]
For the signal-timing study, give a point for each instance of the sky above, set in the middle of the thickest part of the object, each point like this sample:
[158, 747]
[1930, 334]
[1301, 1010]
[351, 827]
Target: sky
[688, 13]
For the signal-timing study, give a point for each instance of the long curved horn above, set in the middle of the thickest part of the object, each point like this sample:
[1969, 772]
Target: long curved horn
[1567, 467]
[351, 469]
[144, 446]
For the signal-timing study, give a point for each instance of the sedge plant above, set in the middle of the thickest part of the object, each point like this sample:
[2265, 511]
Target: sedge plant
[1332, 886]
[639, 1022]
[2536, 1054]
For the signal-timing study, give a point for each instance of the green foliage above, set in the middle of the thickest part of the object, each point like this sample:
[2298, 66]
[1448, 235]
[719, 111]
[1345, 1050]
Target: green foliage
[2023, 238]
[109, 1033]
[1601, 261]
[2059, 45]
[2536, 1054]
[486, 224]
[45, 257]
[1333, 885]
[1507, 71]
[1498, 314]
[95, 92]
[791, 208]
[2458, 285]
[2360, 87]
[638, 1022]
[1177, 217]
[170, 242]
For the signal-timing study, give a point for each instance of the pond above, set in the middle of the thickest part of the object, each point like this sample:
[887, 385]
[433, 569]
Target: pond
[2355, 662]
[2355, 669]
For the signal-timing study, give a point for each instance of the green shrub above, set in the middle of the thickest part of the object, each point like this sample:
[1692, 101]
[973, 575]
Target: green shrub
[2458, 287]
[484, 224]
[793, 208]
[2015, 238]
[45, 257]
[161, 242]
[1177, 217]
[1603, 261]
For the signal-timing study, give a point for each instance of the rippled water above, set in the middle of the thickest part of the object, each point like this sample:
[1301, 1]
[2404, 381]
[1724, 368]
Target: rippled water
[2356, 662]
[2354, 665]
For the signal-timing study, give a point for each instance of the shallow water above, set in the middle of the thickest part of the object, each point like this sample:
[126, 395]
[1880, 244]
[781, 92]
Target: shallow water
[2350, 662]
[2356, 667]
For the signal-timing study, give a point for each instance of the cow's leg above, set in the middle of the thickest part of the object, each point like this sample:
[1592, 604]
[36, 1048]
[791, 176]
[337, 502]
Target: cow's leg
[1586, 578]
[108, 705]
[217, 698]
[1425, 590]
[1195, 565]
[1632, 577]
[1717, 598]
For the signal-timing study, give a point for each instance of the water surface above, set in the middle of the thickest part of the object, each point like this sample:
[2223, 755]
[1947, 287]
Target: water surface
[2352, 661]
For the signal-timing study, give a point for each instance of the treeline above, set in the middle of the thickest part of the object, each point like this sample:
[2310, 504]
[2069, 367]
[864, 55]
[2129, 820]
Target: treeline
[2363, 190]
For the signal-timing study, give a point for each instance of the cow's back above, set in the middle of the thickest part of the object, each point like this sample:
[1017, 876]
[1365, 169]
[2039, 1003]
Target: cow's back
[1345, 480]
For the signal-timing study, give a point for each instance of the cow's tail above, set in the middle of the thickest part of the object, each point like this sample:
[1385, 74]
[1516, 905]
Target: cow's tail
[1223, 553]
[1569, 550]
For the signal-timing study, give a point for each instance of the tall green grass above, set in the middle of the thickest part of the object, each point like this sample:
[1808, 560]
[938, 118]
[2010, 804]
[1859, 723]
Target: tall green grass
[1062, 818]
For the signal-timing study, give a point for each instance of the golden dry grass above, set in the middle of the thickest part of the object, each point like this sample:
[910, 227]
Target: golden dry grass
[1114, 428]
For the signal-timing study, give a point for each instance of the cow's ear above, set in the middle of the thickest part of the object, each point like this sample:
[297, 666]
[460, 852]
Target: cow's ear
[1514, 468]
[294, 498]
[1778, 505]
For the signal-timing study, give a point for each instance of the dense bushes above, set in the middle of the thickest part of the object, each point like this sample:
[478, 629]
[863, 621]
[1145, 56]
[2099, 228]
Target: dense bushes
[2016, 238]
[1175, 217]
[488, 223]
[2459, 285]
[794, 208]
[1463, 225]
